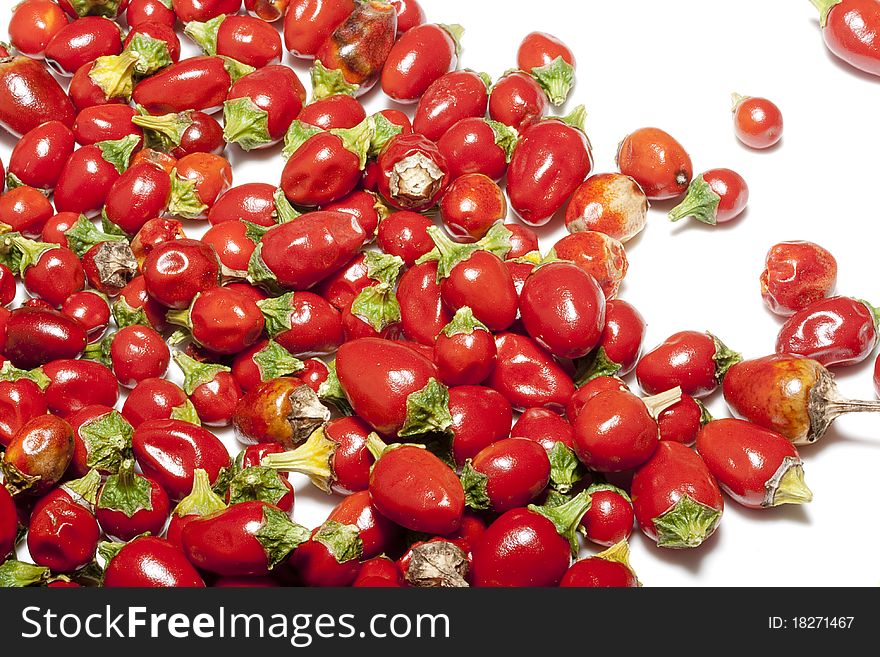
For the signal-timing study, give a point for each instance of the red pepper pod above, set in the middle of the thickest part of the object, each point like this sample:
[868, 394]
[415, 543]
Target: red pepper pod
[620, 346]
[203, 10]
[222, 320]
[151, 562]
[714, 197]
[682, 421]
[197, 83]
[356, 51]
[102, 440]
[478, 145]
[82, 42]
[609, 203]
[25, 210]
[263, 361]
[610, 518]
[550, 62]
[169, 451]
[282, 410]
[422, 311]
[105, 123]
[656, 161]
[331, 557]
[480, 416]
[336, 111]
[464, 352]
[75, 384]
[550, 160]
[141, 193]
[527, 375]
[393, 388]
[248, 538]
[212, 390]
[507, 474]
[261, 106]
[266, 10]
[796, 275]
[38, 455]
[415, 489]
[413, 173]
[157, 399]
[376, 532]
[21, 399]
[303, 323]
[837, 331]
[696, 362]
[757, 467]
[62, 531]
[563, 309]
[175, 272]
[89, 174]
[36, 336]
[33, 24]
[529, 546]
[201, 501]
[849, 29]
[308, 23]
[54, 273]
[517, 100]
[29, 96]
[324, 242]
[129, 504]
[418, 59]
[248, 40]
[38, 158]
[608, 569]
[676, 499]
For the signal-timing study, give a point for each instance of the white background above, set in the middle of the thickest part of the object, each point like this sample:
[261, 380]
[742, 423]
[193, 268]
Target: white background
[673, 65]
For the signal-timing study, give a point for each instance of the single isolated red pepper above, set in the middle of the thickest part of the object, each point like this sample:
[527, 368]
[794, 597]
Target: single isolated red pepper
[757, 467]
[797, 275]
[657, 162]
[176, 272]
[221, 319]
[197, 83]
[464, 352]
[714, 197]
[676, 499]
[757, 122]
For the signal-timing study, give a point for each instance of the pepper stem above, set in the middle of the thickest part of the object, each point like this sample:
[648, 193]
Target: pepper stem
[164, 132]
[506, 137]
[576, 119]
[463, 322]
[595, 365]
[724, 358]
[85, 490]
[787, 485]
[196, 373]
[556, 79]
[659, 403]
[701, 202]
[202, 500]
[566, 517]
[245, 124]
[205, 33]
[329, 82]
[825, 7]
[687, 524]
[357, 140]
[114, 74]
[737, 99]
[313, 458]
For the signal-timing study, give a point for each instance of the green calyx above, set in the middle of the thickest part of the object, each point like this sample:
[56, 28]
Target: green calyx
[376, 446]
[13, 181]
[11, 373]
[705, 415]
[186, 412]
[235, 69]
[331, 391]
[736, 100]
[274, 361]
[108, 550]
[506, 137]
[487, 79]
[118, 151]
[277, 312]
[83, 235]
[383, 268]
[576, 119]
[259, 274]
[107, 439]
[475, 485]
[85, 490]
[377, 305]
[874, 310]
[18, 574]
[105, 8]
[358, 140]
[724, 358]
[126, 315]
[202, 500]
[565, 468]
[196, 373]
[556, 79]
[114, 74]
[297, 134]
[342, 541]
[566, 517]
[165, 131]
[595, 365]
[463, 322]
[254, 232]
[787, 485]
[205, 34]
[427, 410]
[455, 31]
[284, 211]
[180, 318]
[700, 202]
[100, 351]
[383, 132]
[595, 488]
[279, 535]
[109, 227]
[313, 458]
[257, 483]
[126, 491]
[618, 553]
[329, 82]
[687, 524]
[449, 254]
[152, 54]
[185, 201]
[825, 7]
[15, 480]
[245, 124]
[25, 253]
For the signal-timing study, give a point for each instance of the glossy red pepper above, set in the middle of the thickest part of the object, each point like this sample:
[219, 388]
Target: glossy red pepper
[529, 546]
[366, 207]
[517, 100]
[471, 205]
[36, 336]
[150, 11]
[507, 474]
[263, 361]
[153, 37]
[38, 455]
[212, 390]
[657, 162]
[248, 40]
[413, 173]
[838, 331]
[129, 505]
[82, 42]
[21, 400]
[33, 24]
[609, 569]
[141, 193]
[281, 410]
[201, 501]
[405, 234]
[420, 57]
[676, 499]
[75, 384]
[682, 421]
[797, 275]
[451, 98]
[609, 519]
[757, 122]
[589, 390]
[201, 178]
[550, 160]
[154, 232]
[233, 244]
[253, 202]
[203, 10]
[175, 272]
[303, 323]
[181, 134]
[544, 427]
[480, 417]
[478, 145]
[135, 306]
[39, 156]
[550, 62]
[25, 210]
[157, 399]
[29, 96]
[197, 83]
[599, 255]
[151, 562]
[696, 362]
[54, 276]
[138, 353]
[308, 23]
[378, 572]
[221, 320]
[620, 346]
[336, 111]
[169, 451]
[464, 352]
[415, 489]
[89, 174]
[105, 123]
[714, 197]
[527, 375]
[609, 203]
[266, 10]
